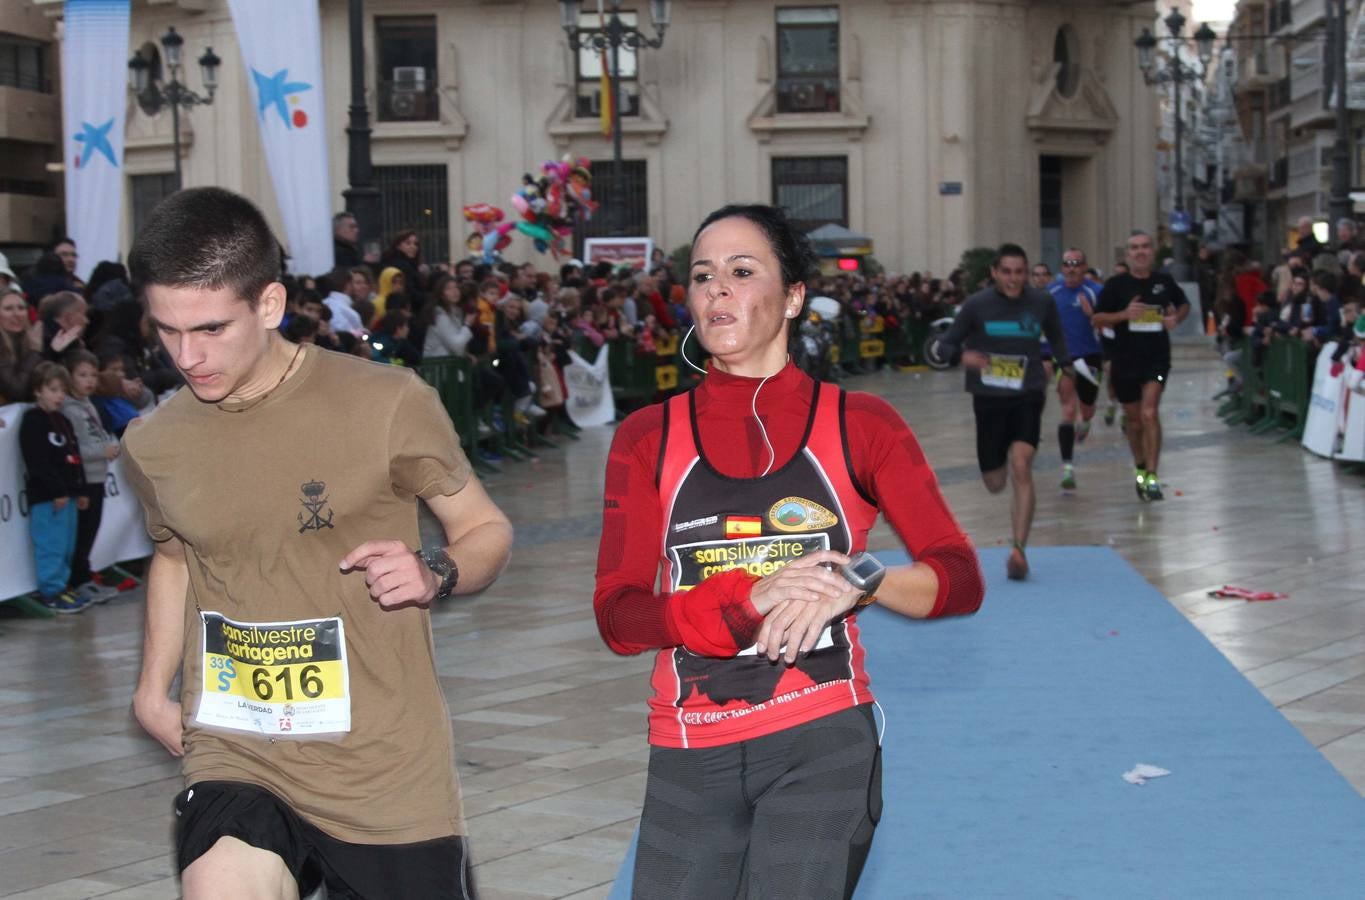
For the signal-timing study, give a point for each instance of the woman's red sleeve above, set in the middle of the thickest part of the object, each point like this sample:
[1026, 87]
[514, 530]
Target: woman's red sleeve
[715, 618]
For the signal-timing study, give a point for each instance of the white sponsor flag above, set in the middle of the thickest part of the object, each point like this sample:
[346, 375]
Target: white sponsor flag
[282, 51]
[590, 401]
[94, 79]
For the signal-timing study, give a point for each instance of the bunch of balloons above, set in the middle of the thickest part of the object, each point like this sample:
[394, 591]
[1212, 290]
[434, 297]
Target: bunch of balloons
[549, 207]
[491, 234]
[551, 204]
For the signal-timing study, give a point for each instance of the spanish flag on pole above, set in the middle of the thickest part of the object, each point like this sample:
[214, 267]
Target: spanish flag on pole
[608, 91]
[743, 527]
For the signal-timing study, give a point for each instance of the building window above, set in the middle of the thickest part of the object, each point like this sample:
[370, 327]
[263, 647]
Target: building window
[808, 59]
[407, 68]
[415, 197]
[147, 191]
[589, 72]
[814, 189]
[23, 64]
[623, 209]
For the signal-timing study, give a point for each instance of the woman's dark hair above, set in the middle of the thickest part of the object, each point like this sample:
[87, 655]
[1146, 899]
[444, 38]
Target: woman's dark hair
[104, 273]
[402, 236]
[49, 264]
[206, 239]
[792, 248]
[391, 321]
[300, 327]
[438, 300]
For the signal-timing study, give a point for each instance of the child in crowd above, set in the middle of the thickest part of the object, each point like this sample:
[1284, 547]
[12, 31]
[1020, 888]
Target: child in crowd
[97, 448]
[111, 394]
[53, 480]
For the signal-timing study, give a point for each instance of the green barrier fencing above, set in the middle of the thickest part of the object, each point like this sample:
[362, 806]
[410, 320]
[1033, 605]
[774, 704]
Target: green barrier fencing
[1275, 395]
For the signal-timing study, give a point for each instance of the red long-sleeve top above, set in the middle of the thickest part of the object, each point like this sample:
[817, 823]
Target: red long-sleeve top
[633, 616]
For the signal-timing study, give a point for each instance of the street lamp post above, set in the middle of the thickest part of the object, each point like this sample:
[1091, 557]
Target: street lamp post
[362, 197]
[153, 96]
[1176, 73]
[613, 34]
[1340, 203]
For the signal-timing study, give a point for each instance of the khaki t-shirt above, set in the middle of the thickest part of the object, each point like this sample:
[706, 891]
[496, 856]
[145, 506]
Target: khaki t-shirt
[267, 501]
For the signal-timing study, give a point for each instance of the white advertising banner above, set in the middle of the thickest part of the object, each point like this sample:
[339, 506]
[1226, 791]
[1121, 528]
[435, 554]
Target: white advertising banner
[94, 98]
[590, 401]
[282, 51]
[1322, 425]
[122, 535]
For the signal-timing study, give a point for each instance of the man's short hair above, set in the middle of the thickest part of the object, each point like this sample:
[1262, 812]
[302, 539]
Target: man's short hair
[206, 239]
[342, 217]
[1008, 250]
[1326, 279]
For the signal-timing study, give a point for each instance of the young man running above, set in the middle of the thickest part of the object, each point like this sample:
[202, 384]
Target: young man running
[1142, 307]
[286, 588]
[999, 329]
[1075, 297]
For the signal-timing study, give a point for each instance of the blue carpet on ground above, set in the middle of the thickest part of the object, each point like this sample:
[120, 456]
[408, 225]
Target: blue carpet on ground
[1007, 734]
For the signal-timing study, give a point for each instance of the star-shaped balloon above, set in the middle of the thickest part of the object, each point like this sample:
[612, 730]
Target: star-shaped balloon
[96, 140]
[274, 90]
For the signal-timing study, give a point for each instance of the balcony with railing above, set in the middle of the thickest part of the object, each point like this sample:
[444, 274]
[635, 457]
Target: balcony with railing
[1281, 14]
[1279, 96]
[1254, 69]
[1279, 174]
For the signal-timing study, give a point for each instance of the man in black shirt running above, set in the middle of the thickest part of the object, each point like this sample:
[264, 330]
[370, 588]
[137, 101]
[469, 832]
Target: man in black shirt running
[1000, 327]
[1142, 307]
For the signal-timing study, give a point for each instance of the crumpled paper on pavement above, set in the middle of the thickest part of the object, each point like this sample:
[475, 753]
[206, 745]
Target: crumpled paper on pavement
[1142, 771]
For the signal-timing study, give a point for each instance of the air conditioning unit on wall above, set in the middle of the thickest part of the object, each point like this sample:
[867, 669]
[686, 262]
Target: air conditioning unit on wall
[408, 93]
[807, 97]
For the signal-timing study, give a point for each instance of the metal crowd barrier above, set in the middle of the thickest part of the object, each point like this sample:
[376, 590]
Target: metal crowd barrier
[1274, 395]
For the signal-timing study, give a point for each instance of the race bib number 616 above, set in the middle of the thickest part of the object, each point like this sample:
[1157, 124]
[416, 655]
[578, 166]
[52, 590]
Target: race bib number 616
[275, 678]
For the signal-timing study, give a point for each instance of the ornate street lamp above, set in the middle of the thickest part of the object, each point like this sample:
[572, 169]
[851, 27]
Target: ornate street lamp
[153, 95]
[1176, 73]
[613, 34]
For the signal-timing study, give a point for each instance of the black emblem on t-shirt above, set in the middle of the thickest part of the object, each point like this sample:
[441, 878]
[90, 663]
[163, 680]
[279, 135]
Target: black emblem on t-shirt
[314, 501]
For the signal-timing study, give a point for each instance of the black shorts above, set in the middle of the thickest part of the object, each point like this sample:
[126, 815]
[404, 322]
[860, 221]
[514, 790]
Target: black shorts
[1086, 390]
[1129, 377]
[1000, 421]
[211, 810]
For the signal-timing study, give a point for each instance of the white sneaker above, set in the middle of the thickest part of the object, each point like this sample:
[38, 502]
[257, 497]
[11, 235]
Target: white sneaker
[535, 412]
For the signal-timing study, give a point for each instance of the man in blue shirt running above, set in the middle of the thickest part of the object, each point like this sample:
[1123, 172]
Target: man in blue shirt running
[1075, 297]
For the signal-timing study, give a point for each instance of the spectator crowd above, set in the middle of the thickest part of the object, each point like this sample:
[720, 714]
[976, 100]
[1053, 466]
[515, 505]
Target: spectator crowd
[91, 343]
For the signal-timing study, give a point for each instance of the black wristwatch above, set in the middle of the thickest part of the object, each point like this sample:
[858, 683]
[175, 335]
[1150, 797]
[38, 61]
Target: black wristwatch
[439, 561]
[865, 572]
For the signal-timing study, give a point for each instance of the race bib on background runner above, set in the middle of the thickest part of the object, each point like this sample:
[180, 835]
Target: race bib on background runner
[1005, 371]
[275, 678]
[1148, 321]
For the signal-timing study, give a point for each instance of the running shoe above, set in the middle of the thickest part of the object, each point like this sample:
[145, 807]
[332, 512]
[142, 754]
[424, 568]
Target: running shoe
[1141, 476]
[67, 603]
[1082, 431]
[97, 593]
[1154, 487]
[1110, 410]
[1068, 477]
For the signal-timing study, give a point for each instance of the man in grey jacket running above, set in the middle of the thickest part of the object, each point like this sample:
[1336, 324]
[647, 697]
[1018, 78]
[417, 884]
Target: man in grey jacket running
[999, 331]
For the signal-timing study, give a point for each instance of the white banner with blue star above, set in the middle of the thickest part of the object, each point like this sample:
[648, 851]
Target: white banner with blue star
[94, 75]
[282, 50]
